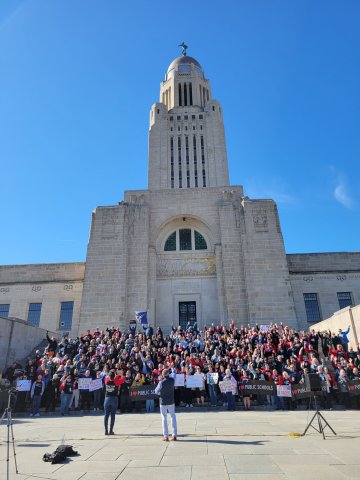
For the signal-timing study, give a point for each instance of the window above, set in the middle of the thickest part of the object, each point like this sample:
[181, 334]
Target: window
[4, 309]
[179, 162]
[195, 161]
[185, 239]
[34, 314]
[170, 244]
[66, 315]
[312, 307]
[187, 162]
[344, 299]
[200, 242]
[203, 161]
[172, 162]
[190, 93]
[200, 117]
[171, 119]
[179, 96]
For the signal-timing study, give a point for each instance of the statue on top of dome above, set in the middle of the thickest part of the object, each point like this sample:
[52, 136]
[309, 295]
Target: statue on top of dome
[184, 48]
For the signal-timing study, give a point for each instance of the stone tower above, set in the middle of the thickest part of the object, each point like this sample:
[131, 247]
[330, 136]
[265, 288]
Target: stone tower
[187, 146]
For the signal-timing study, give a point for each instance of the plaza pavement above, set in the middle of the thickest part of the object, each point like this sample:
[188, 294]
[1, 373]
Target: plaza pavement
[211, 445]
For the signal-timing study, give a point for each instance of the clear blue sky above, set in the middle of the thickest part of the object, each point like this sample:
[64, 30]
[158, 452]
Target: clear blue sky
[78, 77]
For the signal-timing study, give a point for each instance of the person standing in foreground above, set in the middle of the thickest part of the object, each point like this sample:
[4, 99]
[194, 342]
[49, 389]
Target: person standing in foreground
[112, 384]
[165, 390]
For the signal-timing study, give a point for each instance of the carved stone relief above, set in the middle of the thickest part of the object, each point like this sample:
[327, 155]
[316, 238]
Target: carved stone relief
[260, 220]
[167, 267]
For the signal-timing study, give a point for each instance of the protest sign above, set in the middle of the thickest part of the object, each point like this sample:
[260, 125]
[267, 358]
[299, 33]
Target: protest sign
[144, 392]
[283, 391]
[226, 386]
[212, 378]
[95, 385]
[194, 381]
[179, 380]
[84, 383]
[23, 385]
[257, 387]
[265, 328]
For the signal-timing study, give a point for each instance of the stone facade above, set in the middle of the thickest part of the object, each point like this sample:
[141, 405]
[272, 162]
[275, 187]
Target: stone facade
[190, 243]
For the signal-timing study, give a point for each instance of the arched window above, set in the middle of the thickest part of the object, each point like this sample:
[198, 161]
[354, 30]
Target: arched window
[170, 244]
[185, 239]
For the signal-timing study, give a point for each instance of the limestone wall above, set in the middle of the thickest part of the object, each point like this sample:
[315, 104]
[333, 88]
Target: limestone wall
[18, 339]
[343, 319]
[325, 274]
[48, 284]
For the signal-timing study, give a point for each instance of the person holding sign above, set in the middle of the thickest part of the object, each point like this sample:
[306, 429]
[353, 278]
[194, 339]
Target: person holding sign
[165, 390]
[112, 384]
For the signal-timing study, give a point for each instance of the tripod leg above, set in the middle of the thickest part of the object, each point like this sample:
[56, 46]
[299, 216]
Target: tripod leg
[13, 443]
[310, 424]
[321, 429]
[327, 424]
[8, 447]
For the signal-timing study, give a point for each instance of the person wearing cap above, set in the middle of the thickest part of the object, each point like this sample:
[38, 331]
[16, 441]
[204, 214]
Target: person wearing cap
[165, 390]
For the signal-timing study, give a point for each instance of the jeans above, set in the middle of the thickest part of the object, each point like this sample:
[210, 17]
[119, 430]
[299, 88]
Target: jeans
[65, 399]
[230, 400]
[150, 406]
[75, 398]
[97, 398]
[212, 394]
[110, 406]
[35, 404]
[164, 410]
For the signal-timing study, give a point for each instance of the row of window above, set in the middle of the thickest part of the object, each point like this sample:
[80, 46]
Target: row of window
[312, 305]
[184, 163]
[34, 314]
[186, 117]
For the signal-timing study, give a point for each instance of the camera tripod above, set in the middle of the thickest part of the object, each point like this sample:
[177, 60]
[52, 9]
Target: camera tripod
[8, 417]
[322, 423]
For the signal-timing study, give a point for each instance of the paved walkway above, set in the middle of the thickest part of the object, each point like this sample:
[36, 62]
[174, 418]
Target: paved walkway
[212, 445]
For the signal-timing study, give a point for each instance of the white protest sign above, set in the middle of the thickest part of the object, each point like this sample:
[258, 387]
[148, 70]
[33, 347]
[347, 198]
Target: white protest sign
[212, 378]
[179, 380]
[226, 386]
[95, 385]
[23, 385]
[283, 390]
[265, 328]
[84, 383]
[194, 381]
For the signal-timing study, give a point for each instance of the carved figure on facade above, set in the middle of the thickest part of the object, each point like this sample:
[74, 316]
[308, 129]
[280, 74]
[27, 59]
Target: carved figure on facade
[260, 220]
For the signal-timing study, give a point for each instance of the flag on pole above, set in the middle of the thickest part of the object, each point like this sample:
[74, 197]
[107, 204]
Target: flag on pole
[141, 317]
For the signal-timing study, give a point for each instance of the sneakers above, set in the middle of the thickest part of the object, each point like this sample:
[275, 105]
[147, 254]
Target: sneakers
[106, 432]
[174, 439]
[165, 439]
[111, 433]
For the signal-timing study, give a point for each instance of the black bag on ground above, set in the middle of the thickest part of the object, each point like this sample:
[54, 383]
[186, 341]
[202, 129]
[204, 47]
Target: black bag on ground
[55, 457]
[60, 454]
[67, 450]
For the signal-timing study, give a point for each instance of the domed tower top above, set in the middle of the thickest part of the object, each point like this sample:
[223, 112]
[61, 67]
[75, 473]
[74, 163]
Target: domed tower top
[184, 65]
[185, 84]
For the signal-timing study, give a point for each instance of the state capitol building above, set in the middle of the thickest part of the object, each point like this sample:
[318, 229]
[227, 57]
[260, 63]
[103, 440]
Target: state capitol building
[191, 247]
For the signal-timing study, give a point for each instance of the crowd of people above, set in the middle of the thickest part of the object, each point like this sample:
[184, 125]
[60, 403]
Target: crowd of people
[275, 353]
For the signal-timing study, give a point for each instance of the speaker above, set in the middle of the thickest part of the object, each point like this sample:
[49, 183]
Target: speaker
[312, 382]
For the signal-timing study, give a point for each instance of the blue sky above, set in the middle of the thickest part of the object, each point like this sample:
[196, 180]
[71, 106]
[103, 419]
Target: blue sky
[77, 80]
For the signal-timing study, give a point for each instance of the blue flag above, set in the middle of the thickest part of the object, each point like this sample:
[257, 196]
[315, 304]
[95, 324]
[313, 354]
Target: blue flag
[141, 317]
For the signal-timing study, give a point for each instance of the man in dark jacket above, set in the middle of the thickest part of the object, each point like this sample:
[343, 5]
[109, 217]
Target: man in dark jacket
[165, 390]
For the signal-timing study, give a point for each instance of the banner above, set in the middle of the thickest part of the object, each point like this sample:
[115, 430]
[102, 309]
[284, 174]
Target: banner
[283, 391]
[141, 317]
[212, 378]
[179, 380]
[23, 385]
[258, 387]
[95, 385]
[144, 392]
[354, 387]
[84, 383]
[194, 381]
[299, 391]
